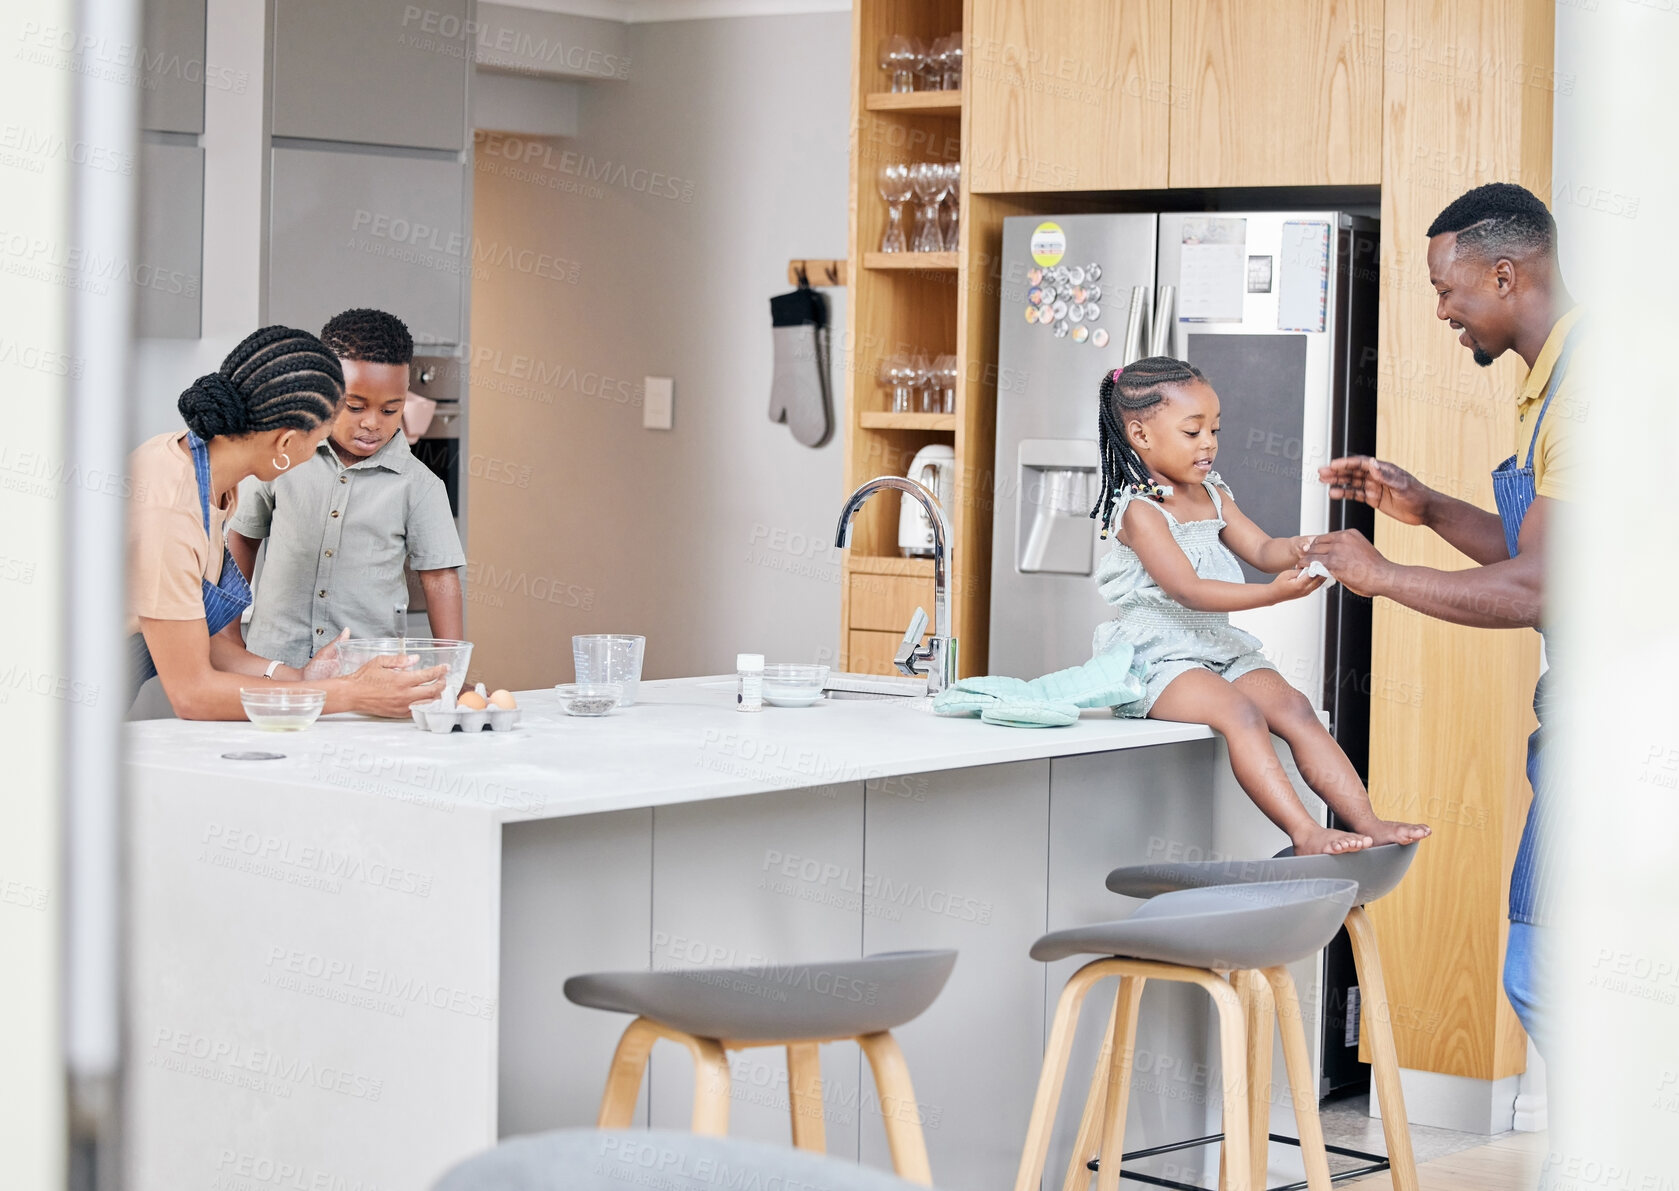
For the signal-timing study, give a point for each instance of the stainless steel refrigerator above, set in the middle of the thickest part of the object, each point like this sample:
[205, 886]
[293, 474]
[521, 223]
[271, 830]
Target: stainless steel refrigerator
[1278, 309]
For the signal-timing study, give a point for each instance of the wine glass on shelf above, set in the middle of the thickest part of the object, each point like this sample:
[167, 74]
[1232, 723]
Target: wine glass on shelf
[901, 58]
[946, 371]
[925, 379]
[897, 373]
[895, 188]
[932, 65]
[951, 216]
[928, 180]
[950, 63]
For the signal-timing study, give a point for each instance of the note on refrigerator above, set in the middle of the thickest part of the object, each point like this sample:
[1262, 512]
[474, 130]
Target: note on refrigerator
[1303, 276]
[1214, 269]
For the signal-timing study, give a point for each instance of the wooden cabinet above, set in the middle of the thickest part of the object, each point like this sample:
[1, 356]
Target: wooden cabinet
[1094, 95]
[1285, 93]
[169, 242]
[377, 72]
[1068, 94]
[172, 91]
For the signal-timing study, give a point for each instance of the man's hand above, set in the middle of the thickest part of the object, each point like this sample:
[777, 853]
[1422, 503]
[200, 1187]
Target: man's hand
[1356, 564]
[1384, 487]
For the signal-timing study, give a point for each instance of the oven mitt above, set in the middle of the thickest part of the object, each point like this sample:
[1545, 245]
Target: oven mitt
[799, 393]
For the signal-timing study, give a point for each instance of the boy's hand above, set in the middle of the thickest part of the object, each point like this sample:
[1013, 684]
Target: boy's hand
[325, 663]
[1292, 585]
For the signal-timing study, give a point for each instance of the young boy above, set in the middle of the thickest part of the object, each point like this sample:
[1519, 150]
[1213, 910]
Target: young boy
[341, 523]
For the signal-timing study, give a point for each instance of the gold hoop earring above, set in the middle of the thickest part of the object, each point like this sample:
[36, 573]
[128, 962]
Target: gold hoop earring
[282, 466]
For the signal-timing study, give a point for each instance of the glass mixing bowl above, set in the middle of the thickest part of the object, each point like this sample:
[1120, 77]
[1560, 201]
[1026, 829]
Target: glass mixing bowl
[282, 709]
[428, 651]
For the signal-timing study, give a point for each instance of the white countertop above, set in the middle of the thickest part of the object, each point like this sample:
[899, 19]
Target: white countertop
[683, 741]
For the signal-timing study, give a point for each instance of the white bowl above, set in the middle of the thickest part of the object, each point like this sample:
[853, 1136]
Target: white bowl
[793, 684]
[589, 698]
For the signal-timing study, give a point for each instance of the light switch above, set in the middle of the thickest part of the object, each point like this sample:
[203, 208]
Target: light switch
[656, 402]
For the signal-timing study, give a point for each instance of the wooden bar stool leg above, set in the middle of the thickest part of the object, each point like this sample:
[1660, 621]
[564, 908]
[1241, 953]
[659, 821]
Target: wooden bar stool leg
[898, 1107]
[1088, 1142]
[1233, 1053]
[1118, 1096]
[711, 1086]
[623, 1078]
[1377, 1019]
[1259, 1026]
[804, 1096]
[1056, 1050]
[1302, 1081]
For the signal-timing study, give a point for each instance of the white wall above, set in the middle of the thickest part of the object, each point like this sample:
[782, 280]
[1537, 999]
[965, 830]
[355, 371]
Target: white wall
[715, 537]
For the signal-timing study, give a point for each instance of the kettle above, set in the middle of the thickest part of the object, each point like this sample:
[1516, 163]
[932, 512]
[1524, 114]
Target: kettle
[934, 468]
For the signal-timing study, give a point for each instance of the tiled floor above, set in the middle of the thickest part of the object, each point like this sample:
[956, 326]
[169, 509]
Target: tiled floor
[1349, 1123]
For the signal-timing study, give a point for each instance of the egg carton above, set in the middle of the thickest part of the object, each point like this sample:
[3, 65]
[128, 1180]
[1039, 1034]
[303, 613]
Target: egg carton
[435, 717]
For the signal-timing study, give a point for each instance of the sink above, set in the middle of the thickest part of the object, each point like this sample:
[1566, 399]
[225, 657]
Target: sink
[874, 686]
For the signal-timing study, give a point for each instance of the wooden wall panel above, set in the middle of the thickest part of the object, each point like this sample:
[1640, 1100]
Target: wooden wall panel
[1283, 93]
[1465, 101]
[1067, 95]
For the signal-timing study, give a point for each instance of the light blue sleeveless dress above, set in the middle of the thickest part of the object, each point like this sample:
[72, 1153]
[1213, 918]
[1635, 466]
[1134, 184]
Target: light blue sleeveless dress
[1169, 639]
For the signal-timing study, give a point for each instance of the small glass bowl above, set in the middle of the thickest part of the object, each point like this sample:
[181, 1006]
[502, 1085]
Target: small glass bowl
[282, 709]
[793, 684]
[589, 698]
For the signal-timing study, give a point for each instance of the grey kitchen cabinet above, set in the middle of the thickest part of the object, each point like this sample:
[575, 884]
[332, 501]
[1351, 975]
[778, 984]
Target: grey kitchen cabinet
[173, 67]
[376, 72]
[168, 272]
[360, 228]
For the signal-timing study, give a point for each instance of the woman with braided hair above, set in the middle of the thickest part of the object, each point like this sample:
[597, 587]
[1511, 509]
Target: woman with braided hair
[1173, 579]
[270, 404]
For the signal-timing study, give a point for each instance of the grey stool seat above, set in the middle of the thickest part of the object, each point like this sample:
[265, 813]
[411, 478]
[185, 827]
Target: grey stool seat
[1377, 871]
[1257, 925]
[601, 1160]
[775, 1002]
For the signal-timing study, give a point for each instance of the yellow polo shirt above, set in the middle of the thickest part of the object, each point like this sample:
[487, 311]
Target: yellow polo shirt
[1556, 456]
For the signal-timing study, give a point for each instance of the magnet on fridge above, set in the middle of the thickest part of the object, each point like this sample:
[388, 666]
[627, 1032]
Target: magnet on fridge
[1076, 274]
[1080, 294]
[1059, 310]
[1099, 338]
[1093, 272]
[1092, 312]
[1095, 292]
[1080, 334]
[1061, 329]
[1031, 314]
[1034, 275]
[1035, 295]
[1075, 314]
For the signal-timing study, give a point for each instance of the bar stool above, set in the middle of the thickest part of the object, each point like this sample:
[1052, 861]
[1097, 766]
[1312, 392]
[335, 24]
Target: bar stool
[1189, 936]
[594, 1160]
[711, 1011]
[1376, 871]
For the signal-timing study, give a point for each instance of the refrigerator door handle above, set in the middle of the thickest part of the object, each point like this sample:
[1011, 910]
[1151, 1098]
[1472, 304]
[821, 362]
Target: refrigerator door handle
[1160, 339]
[1136, 326]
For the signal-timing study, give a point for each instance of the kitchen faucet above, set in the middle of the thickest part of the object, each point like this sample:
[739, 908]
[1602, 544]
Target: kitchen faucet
[937, 659]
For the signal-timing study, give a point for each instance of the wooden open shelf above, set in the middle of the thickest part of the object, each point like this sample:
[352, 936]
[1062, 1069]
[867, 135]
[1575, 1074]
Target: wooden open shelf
[911, 262]
[940, 103]
[881, 420]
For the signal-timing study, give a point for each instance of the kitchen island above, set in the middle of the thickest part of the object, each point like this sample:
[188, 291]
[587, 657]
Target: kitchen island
[347, 960]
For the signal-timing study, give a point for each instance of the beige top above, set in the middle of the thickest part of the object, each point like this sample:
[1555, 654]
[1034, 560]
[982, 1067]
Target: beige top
[169, 553]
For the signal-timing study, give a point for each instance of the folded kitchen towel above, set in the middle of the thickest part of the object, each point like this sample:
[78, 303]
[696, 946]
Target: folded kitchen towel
[1052, 701]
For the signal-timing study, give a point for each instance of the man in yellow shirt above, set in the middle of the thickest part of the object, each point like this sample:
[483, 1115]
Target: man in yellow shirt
[1492, 259]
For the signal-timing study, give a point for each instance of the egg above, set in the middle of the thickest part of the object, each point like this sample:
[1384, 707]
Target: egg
[503, 699]
[471, 700]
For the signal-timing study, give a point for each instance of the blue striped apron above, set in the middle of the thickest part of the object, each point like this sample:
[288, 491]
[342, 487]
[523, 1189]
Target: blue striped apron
[224, 601]
[1513, 490]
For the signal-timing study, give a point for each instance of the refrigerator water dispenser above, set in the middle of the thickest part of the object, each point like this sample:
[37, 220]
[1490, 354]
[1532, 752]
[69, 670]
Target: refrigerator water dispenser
[1057, 479]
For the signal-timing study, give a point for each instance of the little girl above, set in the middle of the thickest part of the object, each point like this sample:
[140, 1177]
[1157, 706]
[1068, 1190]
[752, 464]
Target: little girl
[1173, 579]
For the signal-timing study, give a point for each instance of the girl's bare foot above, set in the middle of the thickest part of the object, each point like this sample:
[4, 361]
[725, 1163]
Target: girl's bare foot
[1317, 840]
[1385, 831]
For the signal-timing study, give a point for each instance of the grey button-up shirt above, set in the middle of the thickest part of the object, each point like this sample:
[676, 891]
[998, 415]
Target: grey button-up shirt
[337, 540]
